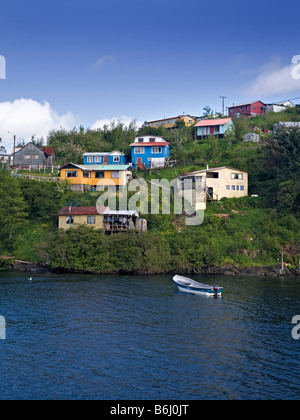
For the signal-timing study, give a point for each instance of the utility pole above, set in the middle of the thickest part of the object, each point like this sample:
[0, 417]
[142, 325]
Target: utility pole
[14, 149]
[223, 104]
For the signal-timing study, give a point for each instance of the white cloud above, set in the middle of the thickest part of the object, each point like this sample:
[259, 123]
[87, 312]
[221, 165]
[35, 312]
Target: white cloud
[101, 61]
[108, 121]
[27, 117]
[274, 79]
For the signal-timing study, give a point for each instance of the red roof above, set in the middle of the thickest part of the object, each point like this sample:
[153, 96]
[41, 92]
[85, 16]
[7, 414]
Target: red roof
[48, 150]
[218, 121]
[150, 144]
[83, 211]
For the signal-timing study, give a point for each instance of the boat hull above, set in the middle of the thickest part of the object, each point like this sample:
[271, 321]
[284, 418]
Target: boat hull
[190, 286]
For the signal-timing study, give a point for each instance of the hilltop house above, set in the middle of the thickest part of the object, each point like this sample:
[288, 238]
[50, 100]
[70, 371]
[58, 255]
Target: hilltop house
[279, 106]
[170, 123]
[106, 158]
[101, 218]
[215, 183]
[149, 152]
[213, 127]
[32, 157]
[248, 109]
[89, 177]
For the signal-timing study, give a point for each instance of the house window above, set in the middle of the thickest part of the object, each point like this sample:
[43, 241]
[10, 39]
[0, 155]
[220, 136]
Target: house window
[236, 176]
[237, 187]
[70, 220]
[27, 156]
[99, 174]
[91, 220]
[169, 122]
[139, 150]
[156, 124]
[35, 156]
[90, 159]
[242, 187]
[217, 129]
[116, 174]
[86, 174]
[98, 159]
[233, 187]
[254, 108]
[116, 159]
[212, 175]
[141, 140]
[156, 149]
[227, 187]
[162, 123]
[71, 174]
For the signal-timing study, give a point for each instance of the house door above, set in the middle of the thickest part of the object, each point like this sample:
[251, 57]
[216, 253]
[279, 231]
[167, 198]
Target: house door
[140, 164]
[210, 193]
[105, 160]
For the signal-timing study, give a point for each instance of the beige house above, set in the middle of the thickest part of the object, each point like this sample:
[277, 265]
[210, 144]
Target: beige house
[214, 184]
[74, 216]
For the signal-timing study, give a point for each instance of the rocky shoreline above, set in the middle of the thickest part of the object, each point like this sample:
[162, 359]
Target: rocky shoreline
[231, 270]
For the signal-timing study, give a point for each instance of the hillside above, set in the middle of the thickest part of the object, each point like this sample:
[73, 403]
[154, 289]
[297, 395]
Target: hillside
[255, 232]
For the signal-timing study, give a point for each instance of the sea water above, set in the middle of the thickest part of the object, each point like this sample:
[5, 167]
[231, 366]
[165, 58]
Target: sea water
[70, 336]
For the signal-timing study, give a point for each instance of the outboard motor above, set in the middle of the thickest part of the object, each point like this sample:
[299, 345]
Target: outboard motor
[216, 290]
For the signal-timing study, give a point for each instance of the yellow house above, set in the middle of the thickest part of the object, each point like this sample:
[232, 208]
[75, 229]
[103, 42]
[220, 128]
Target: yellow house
[170, 123]
[74, 216]
[101, 218]
[89, 177]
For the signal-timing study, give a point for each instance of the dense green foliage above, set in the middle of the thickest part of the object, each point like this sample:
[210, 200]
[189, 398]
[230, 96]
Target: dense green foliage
[255, 233]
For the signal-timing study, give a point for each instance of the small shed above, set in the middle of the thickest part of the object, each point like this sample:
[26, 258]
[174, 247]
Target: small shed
[251, 137]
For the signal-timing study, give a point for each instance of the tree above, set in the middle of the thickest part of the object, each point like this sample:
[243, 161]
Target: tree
[207, 111]
[240, 128]
[13, 209]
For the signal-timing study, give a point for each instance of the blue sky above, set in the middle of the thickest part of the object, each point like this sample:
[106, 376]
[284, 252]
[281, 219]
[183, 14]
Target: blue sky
[71, 63]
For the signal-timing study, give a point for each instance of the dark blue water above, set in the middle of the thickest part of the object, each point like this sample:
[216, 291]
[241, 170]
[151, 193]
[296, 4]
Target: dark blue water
[94, 337]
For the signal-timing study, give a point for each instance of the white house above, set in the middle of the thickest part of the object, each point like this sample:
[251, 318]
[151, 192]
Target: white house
[279, 106]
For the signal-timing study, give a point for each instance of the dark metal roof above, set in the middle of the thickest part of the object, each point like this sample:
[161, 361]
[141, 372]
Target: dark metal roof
[83, 211]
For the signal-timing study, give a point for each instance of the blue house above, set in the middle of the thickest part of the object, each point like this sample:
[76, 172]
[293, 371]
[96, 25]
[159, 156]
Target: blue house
[105, 158]
[149, 152]
[213, 127]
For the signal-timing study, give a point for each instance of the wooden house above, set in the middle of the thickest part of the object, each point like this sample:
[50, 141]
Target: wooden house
[149, 152]
[106, 158]
[32, 157]
[101, 218]
[75, 216]
[213, 127]
[89, 177]
[215, 183]
[248, 109]
[170, 122]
